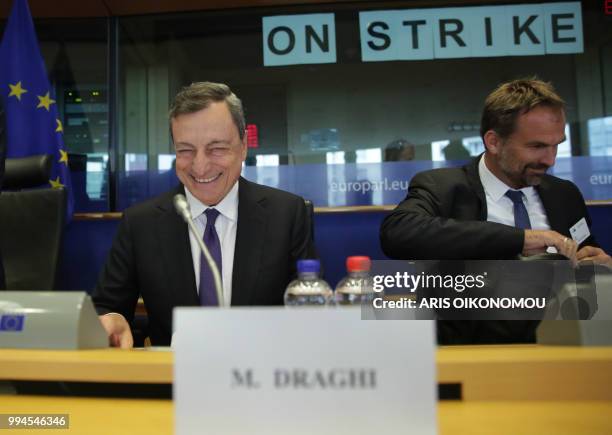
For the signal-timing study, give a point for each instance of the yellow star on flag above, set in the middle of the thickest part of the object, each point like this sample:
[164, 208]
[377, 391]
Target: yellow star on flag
[56, 184]
[64, 157]
[17, 90]
[45, 101]
[60, 127]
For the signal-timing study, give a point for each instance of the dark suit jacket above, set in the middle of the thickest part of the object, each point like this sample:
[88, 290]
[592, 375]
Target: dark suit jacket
[2, 142]
[151, 256]
[2, 157]
[444, 218]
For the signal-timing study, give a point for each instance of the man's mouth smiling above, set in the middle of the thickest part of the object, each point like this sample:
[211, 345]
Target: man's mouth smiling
[207, 180]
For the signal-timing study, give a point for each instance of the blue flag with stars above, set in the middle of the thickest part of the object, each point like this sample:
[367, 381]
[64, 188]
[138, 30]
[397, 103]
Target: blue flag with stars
[32, 122]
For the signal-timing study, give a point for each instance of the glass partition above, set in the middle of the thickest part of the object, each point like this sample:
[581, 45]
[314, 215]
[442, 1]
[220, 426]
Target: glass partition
[349, 132]
[75, 54]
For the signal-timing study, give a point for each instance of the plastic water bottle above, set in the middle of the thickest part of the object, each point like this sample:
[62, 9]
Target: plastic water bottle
[357, 287]
[308, 288]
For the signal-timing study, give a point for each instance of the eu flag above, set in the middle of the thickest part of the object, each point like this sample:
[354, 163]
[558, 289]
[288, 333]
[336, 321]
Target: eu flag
[32, 122]
[11, 322]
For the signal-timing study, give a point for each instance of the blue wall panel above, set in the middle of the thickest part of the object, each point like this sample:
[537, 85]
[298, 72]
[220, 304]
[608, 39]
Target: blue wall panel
[340, 235]
[86, 245]
[337, 236]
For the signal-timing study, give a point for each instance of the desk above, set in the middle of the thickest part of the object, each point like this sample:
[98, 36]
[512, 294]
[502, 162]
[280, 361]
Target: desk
[93, 416]
[527, 372]
[99, 365]
[521, 372]
[562, 378]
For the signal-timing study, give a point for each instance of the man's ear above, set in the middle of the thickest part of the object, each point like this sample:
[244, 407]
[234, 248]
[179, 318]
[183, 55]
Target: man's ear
[492, 142]
[244, 146]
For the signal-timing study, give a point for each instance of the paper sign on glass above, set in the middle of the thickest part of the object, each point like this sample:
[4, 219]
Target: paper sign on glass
[299, 39]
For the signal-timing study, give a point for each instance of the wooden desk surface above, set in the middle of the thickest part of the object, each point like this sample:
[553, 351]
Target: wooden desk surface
[527, 372]
[99, 365]
[95, 416]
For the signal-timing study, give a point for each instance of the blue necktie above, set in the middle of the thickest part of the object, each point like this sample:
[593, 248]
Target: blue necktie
[208, 294]
[521, 217]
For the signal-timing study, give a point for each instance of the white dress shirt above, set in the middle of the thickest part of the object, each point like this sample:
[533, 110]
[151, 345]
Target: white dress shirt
[226, 225]
[500, 208]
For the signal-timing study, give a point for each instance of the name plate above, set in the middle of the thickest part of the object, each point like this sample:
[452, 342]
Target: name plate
[302, 371]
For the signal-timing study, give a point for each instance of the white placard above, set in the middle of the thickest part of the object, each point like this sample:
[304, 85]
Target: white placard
[563, 25]
[299, 39]
[489, 32]
[481, 31]
[302, 371]
[397, 35]
[452, 33]
[526, 30]
[432, 33]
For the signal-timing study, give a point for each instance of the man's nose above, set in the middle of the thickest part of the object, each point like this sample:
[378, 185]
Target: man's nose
[200, 162]
[549, 156]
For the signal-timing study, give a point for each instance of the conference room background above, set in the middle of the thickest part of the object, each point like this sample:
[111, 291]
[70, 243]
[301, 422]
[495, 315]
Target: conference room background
[347, 135]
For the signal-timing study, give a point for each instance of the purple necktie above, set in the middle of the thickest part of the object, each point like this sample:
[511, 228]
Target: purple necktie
[208, 294]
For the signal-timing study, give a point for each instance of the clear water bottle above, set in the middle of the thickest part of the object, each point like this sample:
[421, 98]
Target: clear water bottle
[308, 288]
[356, 288]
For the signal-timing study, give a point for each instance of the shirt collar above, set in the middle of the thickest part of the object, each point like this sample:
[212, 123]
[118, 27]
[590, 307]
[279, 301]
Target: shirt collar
[228, 207]
[494, 187]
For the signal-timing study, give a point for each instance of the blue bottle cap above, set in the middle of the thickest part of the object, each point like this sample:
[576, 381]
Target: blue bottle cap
[306, 266]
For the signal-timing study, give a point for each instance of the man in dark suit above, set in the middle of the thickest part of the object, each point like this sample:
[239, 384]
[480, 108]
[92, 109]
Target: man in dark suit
[255, 233]
[472, 213]
[2, 157]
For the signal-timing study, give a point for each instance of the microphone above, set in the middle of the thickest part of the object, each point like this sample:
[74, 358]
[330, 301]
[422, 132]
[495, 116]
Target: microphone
[182, 208]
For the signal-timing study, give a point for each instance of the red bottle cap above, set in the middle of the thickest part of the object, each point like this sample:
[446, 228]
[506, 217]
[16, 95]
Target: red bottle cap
[358, 264]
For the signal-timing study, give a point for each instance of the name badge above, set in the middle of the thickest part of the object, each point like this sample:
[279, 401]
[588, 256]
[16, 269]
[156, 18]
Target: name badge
[580, 232]
[302, 371]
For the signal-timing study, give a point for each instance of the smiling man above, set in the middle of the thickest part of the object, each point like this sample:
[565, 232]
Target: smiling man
[254, 233]
[503, 203]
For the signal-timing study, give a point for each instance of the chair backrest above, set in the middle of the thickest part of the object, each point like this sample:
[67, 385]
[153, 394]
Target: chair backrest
[27, 172]
[31, 226]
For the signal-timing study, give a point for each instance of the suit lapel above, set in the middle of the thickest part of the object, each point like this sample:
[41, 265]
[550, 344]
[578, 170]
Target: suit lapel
[554, 208]
[471, 170]
[250, 236]
[175, 250]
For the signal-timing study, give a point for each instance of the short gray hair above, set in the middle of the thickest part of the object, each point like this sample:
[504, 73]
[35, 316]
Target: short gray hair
[200, 95]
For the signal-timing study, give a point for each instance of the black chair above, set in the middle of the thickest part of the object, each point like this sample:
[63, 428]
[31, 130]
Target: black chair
[31, 224]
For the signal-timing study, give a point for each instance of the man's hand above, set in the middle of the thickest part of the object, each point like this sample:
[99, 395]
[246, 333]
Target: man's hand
[118, 330]
[596, 255]
[536, 242]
